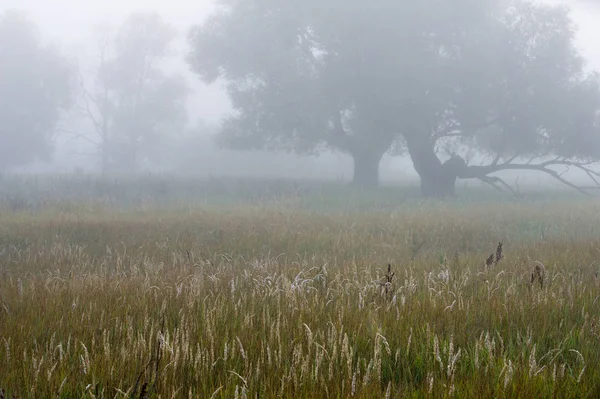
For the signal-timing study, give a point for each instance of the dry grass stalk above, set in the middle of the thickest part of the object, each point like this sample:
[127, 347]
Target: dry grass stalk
[144, 391]
[155, 359]
[494, 258]
[499, 254]
[538, 274]
[387, 283]
[259, 314]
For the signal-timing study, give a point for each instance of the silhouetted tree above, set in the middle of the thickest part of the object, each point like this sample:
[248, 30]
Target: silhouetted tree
[35, 92]
[133, 104]
[426, 78]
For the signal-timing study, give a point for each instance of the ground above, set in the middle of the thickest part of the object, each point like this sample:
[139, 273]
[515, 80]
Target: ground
[156, 288]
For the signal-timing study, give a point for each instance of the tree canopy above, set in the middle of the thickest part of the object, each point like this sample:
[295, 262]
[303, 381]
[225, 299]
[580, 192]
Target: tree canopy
[35, 91]
[134, 105]
[433, 79]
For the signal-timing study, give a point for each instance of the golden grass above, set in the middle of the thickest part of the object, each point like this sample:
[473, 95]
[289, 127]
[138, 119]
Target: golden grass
[262, 302]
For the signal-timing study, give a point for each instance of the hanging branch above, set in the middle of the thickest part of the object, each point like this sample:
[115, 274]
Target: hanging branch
[482, 172]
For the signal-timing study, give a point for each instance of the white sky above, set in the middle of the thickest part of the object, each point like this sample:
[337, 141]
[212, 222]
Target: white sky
[69, 22]
[70, 18]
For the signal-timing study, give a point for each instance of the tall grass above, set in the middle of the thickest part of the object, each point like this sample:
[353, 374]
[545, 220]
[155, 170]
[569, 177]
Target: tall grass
[247, 300]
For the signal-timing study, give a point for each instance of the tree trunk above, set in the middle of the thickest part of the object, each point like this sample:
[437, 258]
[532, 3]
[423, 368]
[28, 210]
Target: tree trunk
[105, 162]
[438, 185]
[437, 179]
[105, 145]
[366, 169]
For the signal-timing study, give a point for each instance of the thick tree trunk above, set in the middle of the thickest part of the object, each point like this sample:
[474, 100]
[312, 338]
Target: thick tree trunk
[437, 179]
[366, 169]
[438, 185]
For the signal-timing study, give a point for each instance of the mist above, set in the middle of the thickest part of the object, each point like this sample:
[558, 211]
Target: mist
[191, 148]
[299, 198]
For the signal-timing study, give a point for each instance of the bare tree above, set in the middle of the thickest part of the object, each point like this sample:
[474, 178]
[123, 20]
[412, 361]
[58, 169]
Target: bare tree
[131, 102]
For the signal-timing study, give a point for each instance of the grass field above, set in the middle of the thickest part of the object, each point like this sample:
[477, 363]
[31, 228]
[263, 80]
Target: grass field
[286, 293]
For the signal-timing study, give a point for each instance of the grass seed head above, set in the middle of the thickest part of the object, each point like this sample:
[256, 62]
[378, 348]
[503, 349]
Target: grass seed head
[538, 274]
[489, 261]
[499, 254]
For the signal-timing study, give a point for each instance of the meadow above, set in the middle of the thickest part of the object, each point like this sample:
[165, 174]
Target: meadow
[154, 288]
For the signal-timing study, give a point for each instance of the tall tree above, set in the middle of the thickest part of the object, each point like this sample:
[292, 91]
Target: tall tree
[35, 92]
[133, 104]
[501, 77]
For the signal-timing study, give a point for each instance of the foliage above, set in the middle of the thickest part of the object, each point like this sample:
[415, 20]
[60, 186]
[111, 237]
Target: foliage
[502, 78]
[35, 91]
[133, 104]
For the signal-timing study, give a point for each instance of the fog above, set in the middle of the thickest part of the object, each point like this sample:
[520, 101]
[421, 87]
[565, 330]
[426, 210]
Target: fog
[192, 190]
[75, 26]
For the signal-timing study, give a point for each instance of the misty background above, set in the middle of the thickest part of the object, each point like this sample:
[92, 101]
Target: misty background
[75, 26]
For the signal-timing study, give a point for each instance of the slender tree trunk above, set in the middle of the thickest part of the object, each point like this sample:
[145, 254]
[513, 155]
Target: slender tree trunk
[105, 147]
[437, 179]
[104, 159]
[366, 168]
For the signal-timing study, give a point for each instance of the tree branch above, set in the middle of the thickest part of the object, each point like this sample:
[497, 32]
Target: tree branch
[483, 172]
[493, 180]
[508, 161]
[86, 108]
[452, 129]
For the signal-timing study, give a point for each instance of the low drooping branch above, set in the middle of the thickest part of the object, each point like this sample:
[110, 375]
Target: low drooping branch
[483, 172]
[495, 180]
